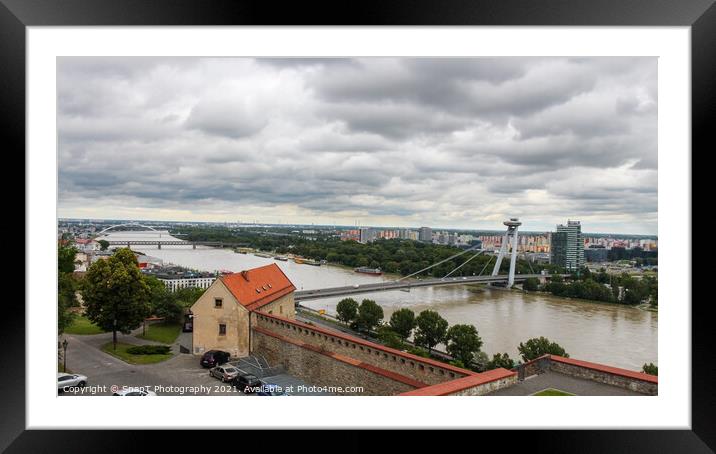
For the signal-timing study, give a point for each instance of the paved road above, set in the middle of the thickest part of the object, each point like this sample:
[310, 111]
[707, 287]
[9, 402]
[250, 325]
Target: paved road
[179, 375]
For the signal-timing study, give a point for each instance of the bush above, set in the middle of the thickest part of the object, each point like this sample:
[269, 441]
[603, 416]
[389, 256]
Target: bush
[417, 351]
[650, 369]
[536, 347]
[501, 360]
[149, 350]
[531, 284]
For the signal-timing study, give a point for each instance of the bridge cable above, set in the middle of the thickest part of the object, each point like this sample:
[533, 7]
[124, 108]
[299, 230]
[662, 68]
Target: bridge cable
[463, 263]
[435, 264]
[484, 267]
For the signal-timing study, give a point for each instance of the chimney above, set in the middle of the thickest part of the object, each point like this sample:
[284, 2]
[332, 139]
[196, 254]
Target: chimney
[245, 275]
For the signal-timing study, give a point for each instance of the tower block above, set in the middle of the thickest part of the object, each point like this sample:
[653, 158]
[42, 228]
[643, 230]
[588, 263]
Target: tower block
[512, 225]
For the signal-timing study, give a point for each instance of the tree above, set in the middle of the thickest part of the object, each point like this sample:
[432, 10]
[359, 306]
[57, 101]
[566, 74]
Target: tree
[430, 330]
[66, 287]
[66, 258]
[390, 338]
[117, 298]
[463, 342]
[369, 315]
[103, 244]
[347, 310]
[536, 347]
[163, 303]
[531, 284]
[501, 360]
[402, 322]
[650, 369]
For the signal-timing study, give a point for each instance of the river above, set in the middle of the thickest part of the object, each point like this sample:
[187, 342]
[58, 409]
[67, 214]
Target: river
[612, 334]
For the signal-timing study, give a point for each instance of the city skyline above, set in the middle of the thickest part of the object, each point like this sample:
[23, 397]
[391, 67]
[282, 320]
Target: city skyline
[450, 143]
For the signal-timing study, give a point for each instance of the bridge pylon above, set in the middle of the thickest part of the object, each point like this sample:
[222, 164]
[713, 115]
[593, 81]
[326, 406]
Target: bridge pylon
[512, 225]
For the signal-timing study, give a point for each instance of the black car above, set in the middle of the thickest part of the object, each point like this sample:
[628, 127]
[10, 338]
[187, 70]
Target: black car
[214, 358]
[246, 383]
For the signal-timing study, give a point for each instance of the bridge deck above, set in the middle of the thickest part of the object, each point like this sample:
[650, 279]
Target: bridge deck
[393, 285]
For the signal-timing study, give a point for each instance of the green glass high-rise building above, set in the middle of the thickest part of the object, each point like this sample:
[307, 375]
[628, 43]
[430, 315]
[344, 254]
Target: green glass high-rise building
[567, 246]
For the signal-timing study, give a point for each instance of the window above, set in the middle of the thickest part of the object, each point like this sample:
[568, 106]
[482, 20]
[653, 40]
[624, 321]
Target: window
[218, 302]
[222, 329]
[280, 309]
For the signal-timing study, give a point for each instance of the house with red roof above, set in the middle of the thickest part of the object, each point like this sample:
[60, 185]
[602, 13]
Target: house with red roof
[222, 315]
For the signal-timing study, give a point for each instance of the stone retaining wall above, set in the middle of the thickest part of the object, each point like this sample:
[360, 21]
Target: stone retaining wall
[420, 369]
[325, 369]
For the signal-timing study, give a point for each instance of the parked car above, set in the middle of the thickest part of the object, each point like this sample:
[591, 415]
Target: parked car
[214, 358]
[134, 392]
[246, 383]
[224, 373]
[270, 389]
[67, 381]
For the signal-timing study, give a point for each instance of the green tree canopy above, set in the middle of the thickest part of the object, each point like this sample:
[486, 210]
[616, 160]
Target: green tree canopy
[103, 245]
[463, 342]
[538, 346]
[501, 360]
[390, 338]
[530, 284]
[66, 258]
[430, 330]
[402, 322]
[162, 302]
[116, 295]
[66, 287]
[347, 310]
[650, 369]
[369, 315]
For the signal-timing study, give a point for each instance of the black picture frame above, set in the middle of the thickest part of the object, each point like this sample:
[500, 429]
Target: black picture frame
[700, 15]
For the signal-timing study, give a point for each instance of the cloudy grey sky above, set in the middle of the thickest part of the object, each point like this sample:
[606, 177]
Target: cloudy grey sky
[453, 142]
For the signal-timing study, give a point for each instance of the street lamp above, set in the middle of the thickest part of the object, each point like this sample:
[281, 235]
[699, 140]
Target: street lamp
[64, 355]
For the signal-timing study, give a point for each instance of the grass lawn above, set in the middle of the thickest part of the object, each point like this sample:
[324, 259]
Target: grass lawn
[552, 392]
[122, 354]
[82, 325]
[165, 333]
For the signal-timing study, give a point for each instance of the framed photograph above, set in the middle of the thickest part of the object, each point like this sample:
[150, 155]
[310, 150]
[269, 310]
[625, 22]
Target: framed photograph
[390, 218]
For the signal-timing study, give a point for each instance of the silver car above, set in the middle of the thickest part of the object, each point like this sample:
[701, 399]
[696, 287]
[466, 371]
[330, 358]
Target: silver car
[225, 372]
[67, 381]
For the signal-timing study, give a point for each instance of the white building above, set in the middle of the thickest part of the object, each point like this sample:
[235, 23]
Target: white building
[199, 282]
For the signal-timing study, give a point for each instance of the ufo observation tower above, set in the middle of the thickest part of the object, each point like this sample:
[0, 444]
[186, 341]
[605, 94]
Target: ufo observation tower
[512, 225]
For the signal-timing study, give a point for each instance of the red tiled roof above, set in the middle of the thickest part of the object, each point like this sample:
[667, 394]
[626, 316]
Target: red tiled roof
[608, 369]
[259, 286]
[453, 386]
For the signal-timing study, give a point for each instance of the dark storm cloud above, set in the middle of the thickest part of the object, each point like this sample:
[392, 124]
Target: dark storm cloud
[440, 141]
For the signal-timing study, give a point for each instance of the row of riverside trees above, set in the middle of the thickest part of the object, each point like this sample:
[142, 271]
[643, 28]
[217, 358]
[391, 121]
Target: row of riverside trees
[117, 296]
[428, 329]
[601, 286]
[398, 256]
